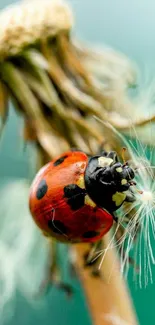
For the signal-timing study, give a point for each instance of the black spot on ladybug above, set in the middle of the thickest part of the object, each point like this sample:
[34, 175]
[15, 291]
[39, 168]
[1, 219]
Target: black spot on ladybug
[75, 196]
[90, 234]
[42, 189]
[60, 161]
[57, 227]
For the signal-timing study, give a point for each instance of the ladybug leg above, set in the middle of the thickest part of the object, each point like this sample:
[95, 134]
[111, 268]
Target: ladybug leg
[91, 260]
[72, 262]
[129, 198]
[56, 280]
[89, 256]
[114, 216]
[53, 276]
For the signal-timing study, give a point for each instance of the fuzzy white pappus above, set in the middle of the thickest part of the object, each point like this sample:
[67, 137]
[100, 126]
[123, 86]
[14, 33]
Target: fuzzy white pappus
[138, 237]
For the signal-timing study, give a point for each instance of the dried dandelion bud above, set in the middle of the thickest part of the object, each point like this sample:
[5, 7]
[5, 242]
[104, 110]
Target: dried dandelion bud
[59, 84]
[27, 23]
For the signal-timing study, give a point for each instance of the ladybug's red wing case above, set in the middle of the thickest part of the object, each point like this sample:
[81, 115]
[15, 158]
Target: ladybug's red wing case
[87, 224]
[60, 205]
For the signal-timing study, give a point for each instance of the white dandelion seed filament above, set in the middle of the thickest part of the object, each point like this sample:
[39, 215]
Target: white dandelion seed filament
[139, 235]
[146, 196]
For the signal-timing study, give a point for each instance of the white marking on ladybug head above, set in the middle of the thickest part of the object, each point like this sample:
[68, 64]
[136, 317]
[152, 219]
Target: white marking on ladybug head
[119, 169]
[123, 181]
[104, 161]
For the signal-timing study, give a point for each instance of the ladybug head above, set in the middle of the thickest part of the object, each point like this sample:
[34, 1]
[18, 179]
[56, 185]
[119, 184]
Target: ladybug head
[108, 181]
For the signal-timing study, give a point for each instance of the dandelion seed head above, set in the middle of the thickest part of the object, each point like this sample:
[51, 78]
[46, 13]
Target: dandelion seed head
[146, 197]
[137, 218]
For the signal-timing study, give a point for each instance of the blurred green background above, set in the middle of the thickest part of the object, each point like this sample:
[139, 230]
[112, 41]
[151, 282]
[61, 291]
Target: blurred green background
[128, 26]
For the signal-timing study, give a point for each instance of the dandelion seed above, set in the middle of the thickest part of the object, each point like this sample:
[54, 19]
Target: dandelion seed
[139, 232]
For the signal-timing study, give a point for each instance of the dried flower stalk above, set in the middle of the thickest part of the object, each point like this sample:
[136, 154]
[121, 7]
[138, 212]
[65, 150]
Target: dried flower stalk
[102, 304]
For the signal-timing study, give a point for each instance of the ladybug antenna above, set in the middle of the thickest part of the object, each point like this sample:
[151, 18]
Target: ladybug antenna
[124, 149]
[136, 189]
[139, 191]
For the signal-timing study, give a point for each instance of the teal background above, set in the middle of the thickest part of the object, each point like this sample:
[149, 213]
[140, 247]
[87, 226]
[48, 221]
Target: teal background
[128, 26]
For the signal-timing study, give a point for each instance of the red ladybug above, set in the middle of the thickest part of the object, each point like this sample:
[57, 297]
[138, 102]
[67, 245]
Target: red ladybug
[73, 198]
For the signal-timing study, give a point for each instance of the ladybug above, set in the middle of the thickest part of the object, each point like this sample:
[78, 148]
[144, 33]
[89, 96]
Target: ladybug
[74, 197]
